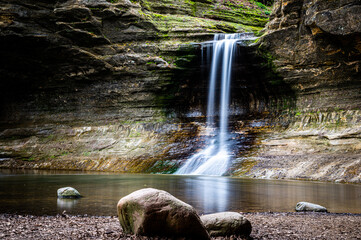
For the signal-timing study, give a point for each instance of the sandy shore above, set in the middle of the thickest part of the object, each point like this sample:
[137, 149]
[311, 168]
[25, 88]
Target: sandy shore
[265, 226]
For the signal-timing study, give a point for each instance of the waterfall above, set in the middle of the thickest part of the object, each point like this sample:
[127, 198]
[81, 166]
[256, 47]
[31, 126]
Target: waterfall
[215, 158]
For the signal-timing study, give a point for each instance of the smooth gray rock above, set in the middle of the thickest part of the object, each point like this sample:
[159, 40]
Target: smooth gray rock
[226, 224]
[311, 207]
[152, 212]
[68, 192]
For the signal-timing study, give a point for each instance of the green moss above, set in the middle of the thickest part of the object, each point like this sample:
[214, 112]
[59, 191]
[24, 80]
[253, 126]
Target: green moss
[245, 166]
[193, 7]
[163, 166]
[187, 15]
[325, 119]
[134, 134]
[96, 9]
[64, 153]
[87, 154]
[30, 159]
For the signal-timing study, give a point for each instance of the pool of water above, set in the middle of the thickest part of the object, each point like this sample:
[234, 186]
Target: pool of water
[35, 192]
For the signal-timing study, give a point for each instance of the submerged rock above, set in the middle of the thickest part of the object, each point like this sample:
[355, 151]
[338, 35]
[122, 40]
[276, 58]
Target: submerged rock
[311, 207]
[152, 212]
[226, 224]
[68, 192]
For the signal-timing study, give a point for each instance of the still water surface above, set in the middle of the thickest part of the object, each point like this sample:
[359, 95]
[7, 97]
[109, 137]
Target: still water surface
[36, 193]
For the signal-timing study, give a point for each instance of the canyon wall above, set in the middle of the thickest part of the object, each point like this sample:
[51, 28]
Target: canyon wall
[315, 46]
[118, 86]
[104, 85]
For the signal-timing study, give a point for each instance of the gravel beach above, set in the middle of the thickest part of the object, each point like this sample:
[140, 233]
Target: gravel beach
[265, 226]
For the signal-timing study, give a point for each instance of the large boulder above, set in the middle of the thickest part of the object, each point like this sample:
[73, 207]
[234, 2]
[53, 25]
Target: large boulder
[152, 212]
[226, 224]
[68, 192]
[311, 207]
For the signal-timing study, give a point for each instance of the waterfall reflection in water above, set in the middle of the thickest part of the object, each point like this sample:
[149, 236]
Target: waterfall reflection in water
[212, 193]
[36, 193]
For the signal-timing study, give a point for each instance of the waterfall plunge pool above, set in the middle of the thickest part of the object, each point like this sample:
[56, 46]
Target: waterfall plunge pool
[34, 192]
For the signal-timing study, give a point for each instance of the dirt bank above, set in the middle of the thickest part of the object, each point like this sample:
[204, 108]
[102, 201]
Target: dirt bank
[265, 226]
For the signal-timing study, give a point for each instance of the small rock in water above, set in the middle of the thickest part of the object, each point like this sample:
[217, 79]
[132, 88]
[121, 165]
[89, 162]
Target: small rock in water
[152, 212]
[311, 207]
[226, 224]
[68, 192]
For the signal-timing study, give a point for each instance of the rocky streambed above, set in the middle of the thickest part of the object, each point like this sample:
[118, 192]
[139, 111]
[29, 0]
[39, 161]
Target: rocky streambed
[265, 226]
[149, 213]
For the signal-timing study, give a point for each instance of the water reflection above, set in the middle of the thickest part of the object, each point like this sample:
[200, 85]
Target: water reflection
[66, 204]
[30, 193]
[212, 193]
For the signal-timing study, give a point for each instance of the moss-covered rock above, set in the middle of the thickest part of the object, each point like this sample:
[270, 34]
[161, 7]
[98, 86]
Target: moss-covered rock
[68, 192]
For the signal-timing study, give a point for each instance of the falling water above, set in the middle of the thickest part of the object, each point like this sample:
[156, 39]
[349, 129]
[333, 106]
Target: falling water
[215, 158]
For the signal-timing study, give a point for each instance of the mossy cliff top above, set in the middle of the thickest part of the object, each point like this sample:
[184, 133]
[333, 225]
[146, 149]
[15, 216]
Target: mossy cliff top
[185, 18]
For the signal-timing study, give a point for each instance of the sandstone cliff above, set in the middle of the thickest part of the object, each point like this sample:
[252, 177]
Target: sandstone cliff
[97, 85]
[115, 85]
[315, 46]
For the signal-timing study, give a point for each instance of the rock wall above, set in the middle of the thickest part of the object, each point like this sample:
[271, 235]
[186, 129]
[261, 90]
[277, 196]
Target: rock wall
[115, 85]
[98, 85]
[314, 45]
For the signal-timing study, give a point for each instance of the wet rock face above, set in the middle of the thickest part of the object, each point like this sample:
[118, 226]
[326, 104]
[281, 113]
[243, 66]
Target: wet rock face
[91, 84]
[336, 18]
[60, 64]
[102, 59]
[315, 47]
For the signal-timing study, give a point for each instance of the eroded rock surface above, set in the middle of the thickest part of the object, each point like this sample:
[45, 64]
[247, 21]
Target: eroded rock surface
[96, 85]
[315, 47]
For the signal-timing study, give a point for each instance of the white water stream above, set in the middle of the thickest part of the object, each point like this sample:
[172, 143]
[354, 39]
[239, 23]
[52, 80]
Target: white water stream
[215, 158]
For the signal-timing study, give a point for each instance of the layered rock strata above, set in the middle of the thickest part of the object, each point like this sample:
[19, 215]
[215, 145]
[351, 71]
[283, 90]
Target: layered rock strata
[315, 47]
[96, 85]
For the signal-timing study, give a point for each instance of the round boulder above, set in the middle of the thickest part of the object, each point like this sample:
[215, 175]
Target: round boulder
[68, 192]
[309, 207]
[152, 212]
[226, 224]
